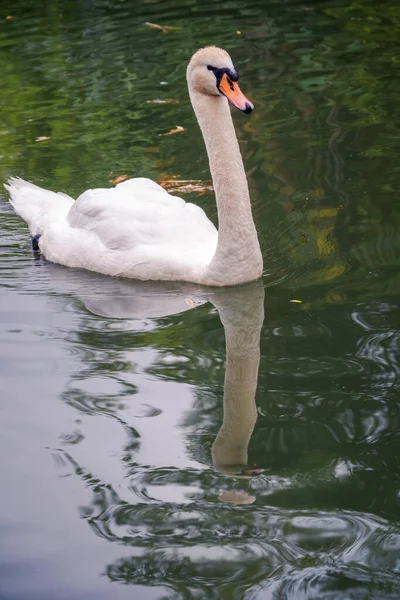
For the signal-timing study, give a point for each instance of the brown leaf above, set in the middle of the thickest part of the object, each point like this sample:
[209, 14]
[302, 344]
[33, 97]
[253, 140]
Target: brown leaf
[163, 28]
[119, 179]
[178, 129]
[186, 186]
[8, 17]
[42, 138]
[165, 101]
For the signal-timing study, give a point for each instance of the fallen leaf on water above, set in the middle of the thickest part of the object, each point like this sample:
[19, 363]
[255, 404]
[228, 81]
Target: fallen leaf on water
[178, 129]
[42, 138]
[163, 28]
[165, 101]
[119, 179]
[296, 301]
[8, 17]
[238, 33]
[236, 497]
[186, 186]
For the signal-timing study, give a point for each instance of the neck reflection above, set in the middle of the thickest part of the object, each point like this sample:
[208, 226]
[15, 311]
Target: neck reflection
[241, 311]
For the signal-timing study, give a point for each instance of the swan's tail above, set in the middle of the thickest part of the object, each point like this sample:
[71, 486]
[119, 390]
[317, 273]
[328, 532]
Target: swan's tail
[32, 203]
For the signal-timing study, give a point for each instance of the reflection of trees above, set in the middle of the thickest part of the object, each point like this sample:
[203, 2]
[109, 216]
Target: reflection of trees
[322, 143]
[325, 83]
[271, 549]
[327, 399]
[326, 433]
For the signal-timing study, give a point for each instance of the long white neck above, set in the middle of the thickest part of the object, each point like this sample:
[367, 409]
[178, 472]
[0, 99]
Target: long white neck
[238, 257]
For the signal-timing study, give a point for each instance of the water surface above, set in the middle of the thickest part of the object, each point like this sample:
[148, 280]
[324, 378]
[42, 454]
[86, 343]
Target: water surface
[167, 441]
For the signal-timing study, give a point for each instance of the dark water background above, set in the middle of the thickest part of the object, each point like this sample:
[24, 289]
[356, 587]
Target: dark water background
[116, 479]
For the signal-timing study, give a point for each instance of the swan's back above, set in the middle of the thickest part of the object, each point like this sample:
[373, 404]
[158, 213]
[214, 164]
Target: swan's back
[135, 230]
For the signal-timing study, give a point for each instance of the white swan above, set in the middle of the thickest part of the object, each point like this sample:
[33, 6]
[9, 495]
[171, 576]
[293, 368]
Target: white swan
[140, 231]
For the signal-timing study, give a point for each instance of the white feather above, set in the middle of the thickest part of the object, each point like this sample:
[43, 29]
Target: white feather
[134, 230]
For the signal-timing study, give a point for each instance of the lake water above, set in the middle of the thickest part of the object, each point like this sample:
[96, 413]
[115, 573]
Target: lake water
[171, 442]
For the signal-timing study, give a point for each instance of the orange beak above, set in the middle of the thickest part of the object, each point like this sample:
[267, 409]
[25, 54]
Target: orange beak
[232, 91]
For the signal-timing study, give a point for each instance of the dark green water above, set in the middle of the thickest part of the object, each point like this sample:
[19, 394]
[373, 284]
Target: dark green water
[122, 438]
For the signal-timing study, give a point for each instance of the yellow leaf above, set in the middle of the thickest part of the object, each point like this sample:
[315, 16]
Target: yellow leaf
[178, 129]
[296, 301]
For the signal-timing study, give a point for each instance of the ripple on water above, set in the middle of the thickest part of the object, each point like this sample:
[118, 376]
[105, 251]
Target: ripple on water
[275, 553]
[379, 341]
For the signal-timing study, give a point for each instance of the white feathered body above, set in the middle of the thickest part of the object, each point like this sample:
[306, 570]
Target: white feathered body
[135, 230]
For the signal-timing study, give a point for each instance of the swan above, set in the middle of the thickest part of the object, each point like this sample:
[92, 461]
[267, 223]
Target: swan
[140, 231]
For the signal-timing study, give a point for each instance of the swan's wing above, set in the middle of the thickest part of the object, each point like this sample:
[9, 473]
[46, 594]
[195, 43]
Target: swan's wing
[140, 212]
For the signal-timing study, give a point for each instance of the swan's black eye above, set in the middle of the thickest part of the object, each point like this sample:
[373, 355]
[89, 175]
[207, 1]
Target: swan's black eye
[219, 72]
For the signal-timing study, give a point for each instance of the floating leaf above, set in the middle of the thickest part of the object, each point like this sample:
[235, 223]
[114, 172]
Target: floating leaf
[165, 101]
[163, 28]
[236, 497]
[178, 129]
[186, 186]
[238, 33]
[119, 179]
[296, 301]
[42, 138]
[8, 17]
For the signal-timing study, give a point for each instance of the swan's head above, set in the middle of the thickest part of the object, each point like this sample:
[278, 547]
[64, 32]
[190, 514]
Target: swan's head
[211, 71]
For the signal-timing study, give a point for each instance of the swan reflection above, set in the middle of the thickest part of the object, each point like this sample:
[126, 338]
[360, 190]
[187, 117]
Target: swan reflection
[241, 310]
[242, 314]
[184, 522]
